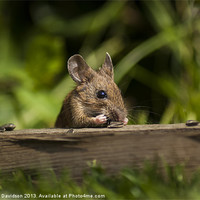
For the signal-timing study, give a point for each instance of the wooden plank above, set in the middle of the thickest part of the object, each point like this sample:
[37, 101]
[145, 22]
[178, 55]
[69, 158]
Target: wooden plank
[114, 148]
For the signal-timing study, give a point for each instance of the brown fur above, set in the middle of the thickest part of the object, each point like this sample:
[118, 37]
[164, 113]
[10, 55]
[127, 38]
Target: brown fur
[82, 105]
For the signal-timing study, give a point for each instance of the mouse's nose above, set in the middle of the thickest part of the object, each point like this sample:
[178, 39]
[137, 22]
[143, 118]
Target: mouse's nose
[118, 115]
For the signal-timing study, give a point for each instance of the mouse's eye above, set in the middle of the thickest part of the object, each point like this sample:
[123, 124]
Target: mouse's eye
[101, 94]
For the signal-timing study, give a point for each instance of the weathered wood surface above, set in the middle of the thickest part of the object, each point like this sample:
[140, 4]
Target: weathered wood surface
[114, 148]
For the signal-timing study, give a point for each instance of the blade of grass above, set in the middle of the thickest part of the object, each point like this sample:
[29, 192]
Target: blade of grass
[169, 36]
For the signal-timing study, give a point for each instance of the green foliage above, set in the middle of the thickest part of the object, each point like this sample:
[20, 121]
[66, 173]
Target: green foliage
[147, 183]
[154, 46]
[44, 59]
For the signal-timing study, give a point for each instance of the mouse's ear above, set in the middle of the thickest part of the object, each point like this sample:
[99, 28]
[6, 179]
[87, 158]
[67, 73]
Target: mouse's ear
[107, 67]
[78, 69]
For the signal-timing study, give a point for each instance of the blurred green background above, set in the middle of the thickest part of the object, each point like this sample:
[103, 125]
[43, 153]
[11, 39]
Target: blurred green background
[155, 47]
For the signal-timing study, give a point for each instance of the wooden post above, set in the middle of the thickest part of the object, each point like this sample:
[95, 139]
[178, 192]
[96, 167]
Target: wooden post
[113, 148]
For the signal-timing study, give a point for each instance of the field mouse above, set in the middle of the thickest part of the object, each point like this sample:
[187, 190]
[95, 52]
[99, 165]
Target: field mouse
[96, 101]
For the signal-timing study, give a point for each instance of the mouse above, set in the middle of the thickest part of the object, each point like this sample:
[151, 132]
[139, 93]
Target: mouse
[96, 100]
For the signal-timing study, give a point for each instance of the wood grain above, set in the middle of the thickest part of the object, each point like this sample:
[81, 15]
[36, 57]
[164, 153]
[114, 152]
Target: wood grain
[114, 148]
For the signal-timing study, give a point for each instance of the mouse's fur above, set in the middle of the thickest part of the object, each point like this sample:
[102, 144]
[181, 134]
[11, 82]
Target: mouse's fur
[82, 107]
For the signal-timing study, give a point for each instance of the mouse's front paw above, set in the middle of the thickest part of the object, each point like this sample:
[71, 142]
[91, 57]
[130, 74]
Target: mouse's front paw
[100, 119]
[125, 121]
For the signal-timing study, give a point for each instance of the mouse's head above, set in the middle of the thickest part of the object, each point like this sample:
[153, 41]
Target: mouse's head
[96, 90]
